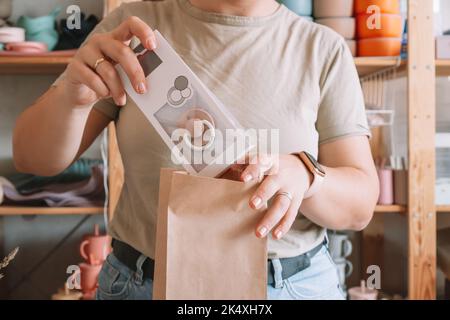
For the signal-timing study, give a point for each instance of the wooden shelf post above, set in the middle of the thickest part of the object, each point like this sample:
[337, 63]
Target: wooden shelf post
[421, 151]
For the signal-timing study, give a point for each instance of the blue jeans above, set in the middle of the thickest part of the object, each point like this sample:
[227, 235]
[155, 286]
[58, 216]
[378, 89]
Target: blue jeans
[318, 282]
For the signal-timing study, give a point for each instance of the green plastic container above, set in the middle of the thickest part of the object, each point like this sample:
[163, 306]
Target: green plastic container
[300, 7]
[41, 29]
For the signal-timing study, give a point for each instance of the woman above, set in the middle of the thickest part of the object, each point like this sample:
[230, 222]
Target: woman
[273, 70]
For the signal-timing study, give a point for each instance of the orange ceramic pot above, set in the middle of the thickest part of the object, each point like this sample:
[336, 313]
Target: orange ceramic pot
[383, 26]
[385, 6]
[379, 47]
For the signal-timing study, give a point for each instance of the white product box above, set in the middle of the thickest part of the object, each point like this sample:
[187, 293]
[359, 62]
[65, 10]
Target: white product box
[443, 47]
[200, 132]
[442, 140]
[443, 192]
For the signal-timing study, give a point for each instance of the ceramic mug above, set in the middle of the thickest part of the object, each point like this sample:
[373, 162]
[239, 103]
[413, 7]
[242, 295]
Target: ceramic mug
[89, 276]
[95, 247]
[340, 245]
[344, 268]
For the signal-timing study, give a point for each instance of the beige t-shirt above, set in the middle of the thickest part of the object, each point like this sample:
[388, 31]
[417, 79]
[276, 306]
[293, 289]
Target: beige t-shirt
[275, 72]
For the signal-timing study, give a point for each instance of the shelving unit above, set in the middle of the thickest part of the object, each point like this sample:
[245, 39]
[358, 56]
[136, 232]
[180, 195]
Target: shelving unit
[57, 64]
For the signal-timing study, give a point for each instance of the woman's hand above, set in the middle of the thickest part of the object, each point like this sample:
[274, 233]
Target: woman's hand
[286, 179]
[85, 83]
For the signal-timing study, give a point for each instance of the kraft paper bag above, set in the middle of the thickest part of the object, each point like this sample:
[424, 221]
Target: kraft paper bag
[206, 247]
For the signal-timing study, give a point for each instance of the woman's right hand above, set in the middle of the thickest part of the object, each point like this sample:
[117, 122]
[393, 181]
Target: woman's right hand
[85, 85]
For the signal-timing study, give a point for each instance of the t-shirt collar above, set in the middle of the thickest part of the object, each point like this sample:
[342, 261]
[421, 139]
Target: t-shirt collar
[230, 20]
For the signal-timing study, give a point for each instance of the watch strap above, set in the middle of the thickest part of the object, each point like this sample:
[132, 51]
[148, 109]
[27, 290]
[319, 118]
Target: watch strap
[317, 178]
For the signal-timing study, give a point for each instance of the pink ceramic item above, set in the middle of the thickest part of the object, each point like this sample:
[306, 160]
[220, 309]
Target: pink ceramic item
[95, 248]
[362, 292]
[89, 276]
[28, 46]
[386, 178]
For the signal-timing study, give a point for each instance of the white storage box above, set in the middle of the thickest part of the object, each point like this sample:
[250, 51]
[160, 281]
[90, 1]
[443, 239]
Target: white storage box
[442, 168]
[443, 47]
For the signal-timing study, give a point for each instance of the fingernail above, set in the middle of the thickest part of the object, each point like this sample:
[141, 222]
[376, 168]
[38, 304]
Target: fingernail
[122, 101]
[256, 201]
[151, 43]
[247, 178]
[278, 234]
[262, 231]
[141, 88]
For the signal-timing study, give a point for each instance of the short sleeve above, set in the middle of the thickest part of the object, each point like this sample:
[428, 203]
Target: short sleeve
[341, 110]
[107, 107]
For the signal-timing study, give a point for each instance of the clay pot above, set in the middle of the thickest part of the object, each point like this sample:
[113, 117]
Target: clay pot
[385, 6]
[344, 26]
[95, 247]
[89, 276]
[391, 26]
[380, 47]
[333, 9]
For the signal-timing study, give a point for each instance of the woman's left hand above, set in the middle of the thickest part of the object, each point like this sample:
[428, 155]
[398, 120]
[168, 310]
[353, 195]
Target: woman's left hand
[286, 179]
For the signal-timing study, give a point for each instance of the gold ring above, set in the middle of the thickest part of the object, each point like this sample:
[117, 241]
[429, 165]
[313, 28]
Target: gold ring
[285, 194]
[97, 63]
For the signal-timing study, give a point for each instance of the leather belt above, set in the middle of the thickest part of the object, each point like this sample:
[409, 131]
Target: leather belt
[294, 265]
[290, 266]
[129, 256]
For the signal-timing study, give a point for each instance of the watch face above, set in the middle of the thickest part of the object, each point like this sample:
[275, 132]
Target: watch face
[318, 168]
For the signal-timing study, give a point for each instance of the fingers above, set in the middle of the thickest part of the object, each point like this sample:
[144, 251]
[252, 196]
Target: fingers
[133, 26]
[273, 216]
[286, 222]
[83, 74]
[109, 75]
[259, 165]
[265, 191]
[123, 55]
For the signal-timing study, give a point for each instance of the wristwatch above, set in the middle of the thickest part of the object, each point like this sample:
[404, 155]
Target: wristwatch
[316, 170]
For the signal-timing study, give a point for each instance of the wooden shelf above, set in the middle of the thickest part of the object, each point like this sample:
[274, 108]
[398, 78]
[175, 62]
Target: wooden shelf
[443, 68]
[443, 209]
[368, 65]
[56, 64]
[390, 209]
[33, 65]
[402, 209]
[6, 211]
